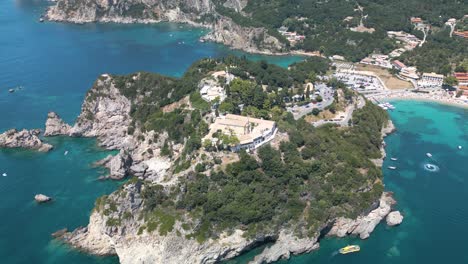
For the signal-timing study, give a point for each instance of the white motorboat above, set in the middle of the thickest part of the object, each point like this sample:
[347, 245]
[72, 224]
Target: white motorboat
[4, 174]
[393, 159]
[429, 155]
[392, 167]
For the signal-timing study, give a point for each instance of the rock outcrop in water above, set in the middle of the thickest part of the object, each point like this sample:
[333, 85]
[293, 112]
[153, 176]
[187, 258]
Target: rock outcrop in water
[41, 198]
[224, 29]
[28, 139]
[363, 225]
[55, 125]
[394, 218]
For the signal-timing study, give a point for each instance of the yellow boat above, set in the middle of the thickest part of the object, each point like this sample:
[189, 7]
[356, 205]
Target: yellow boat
[350, 249]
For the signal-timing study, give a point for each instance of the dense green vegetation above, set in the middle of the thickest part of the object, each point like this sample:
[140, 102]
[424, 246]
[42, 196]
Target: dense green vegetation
[440, 53]
[326, 23]
[315, 175]
[321, 173]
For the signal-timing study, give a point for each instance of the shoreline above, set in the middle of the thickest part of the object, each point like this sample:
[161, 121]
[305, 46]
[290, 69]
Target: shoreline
[428, 100]
[126, 21]
[444, 101]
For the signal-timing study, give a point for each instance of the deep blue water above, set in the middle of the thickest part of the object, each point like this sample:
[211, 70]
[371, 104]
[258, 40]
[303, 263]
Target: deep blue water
[56, 63]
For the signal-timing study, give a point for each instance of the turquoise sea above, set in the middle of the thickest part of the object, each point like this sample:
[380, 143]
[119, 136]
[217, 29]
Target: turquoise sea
[433, 202]
[57, 63]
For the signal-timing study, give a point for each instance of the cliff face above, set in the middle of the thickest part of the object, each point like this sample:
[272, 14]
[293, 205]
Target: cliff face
[128, 11]
[105, 114]
[116, 229]
[249, 39]
[105, 117]
[194, 12]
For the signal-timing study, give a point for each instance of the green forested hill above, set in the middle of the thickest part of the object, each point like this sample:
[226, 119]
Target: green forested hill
[326, 28]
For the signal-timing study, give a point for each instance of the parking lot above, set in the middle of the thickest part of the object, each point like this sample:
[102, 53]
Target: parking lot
[327, 99]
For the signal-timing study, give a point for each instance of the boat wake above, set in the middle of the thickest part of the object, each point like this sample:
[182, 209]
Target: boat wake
[431, 167]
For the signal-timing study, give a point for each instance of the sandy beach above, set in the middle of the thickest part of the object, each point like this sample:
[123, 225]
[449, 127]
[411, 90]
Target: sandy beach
[440, 97]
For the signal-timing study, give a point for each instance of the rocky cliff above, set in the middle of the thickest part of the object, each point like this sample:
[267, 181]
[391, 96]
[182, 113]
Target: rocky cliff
[28, 139]
[249, 39]
[55, 125]
[363, 226]
[196, 12]
[119, 226]
[115, 228]
[128, 11]
[105, 115]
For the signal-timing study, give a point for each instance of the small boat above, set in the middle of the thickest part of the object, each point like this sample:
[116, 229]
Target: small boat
[4, 174]
[392, 167]
[11, 90]
[429, 155]
[349, 249]
[459, 147]
[66, 152]
[41, 19]
[393, 159]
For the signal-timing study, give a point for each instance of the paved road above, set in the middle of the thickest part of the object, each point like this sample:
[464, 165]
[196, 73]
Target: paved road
[327, 95]
[348, 114]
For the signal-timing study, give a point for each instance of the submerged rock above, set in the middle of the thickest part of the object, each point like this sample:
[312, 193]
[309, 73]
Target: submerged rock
[59, 233]
[28, 139]
[41, 198]
[394, 218]
[55, 125]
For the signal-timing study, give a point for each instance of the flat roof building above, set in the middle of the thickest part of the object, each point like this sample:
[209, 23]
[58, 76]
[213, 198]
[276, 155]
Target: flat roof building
[431, 80]
[251, 132]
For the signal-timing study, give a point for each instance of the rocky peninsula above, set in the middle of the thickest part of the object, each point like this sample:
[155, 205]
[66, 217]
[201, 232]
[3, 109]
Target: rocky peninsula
[200, 13]
[27, 139]
[187, 204]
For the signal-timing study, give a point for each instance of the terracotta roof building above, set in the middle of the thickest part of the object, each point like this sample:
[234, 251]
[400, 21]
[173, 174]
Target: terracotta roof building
[462, 78]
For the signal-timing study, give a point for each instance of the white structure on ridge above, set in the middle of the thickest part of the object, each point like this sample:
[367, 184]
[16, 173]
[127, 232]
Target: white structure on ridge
[251, 132]
[211, 88]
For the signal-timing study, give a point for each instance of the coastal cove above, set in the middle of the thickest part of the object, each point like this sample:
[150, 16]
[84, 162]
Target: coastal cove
[56, 76]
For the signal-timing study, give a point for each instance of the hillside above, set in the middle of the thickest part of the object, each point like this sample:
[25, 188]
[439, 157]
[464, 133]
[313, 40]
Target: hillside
[212, 203]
